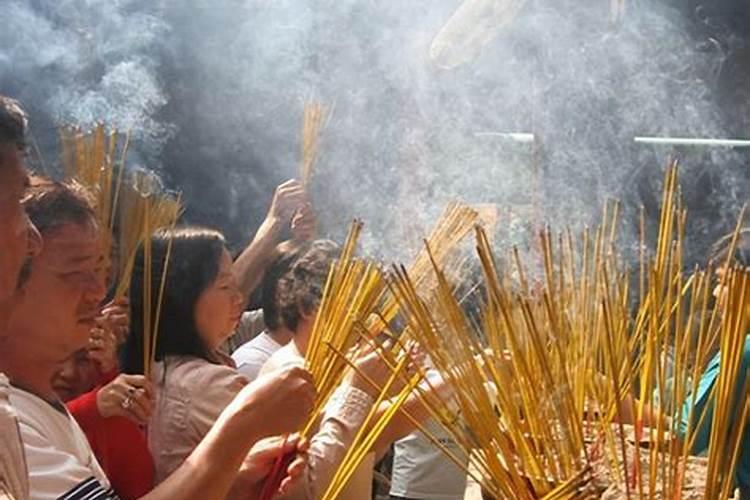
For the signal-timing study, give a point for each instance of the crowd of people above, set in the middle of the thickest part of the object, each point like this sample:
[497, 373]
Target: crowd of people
[82, 417]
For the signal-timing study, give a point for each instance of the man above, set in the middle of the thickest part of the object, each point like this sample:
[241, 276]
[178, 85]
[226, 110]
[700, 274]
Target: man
[53, 319]
[18, 240]
[289, 209]
[251, 356]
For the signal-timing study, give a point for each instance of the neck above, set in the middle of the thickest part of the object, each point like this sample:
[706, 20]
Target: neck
[25, 369]
[302, 337]
[281, 335]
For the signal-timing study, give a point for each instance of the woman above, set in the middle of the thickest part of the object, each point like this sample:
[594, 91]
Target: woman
[702, 403]
[200, 308]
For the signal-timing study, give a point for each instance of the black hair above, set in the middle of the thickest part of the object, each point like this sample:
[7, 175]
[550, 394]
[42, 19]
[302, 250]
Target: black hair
[287, 254]
[194, 260]
[300, 290]
[13, 123]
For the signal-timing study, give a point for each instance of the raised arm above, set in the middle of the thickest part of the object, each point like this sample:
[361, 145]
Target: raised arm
[288, 199]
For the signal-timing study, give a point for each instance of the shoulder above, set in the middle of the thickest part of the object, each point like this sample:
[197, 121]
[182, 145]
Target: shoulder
[193, 373]
[286, 356]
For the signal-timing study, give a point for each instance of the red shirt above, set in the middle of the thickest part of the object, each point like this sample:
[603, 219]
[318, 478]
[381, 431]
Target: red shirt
[119, 445]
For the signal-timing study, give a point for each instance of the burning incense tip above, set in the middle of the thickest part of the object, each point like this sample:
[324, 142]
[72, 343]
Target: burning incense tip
[693, 141]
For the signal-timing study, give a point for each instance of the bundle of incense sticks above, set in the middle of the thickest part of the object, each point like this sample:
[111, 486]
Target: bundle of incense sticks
[453, 225]
[144, 210]
[349, 297]
[572, 352]
[375, 422]
[96, 159]
[314, 117]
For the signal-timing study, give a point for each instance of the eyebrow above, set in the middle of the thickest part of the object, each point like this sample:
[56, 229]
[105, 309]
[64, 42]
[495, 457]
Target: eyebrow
[85, 258]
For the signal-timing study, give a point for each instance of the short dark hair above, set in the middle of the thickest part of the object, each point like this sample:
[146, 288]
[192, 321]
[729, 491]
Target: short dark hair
[287, 253]
[13, 123]
[51, 204]
[300, 290]
[193, 265]
[720, 250]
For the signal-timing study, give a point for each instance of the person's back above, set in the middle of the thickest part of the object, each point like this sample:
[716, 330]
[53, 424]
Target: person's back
[702, 399]
[253, 355]
[422, 471]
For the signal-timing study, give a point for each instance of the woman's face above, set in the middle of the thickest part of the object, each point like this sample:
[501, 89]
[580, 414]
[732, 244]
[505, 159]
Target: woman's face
[219, 306]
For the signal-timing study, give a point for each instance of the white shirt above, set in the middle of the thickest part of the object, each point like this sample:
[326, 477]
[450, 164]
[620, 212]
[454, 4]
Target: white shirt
[61, 463]
[251, 356]
[251, 325]
[14, 478]
[421, 470]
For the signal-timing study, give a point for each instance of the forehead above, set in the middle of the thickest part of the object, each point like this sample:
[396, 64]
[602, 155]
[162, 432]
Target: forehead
[73, 243]
[13, 176]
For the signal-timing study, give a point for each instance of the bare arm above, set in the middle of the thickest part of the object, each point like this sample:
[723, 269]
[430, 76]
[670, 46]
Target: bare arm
[250, 265]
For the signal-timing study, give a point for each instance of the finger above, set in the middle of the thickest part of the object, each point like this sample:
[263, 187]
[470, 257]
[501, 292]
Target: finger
[301, 373]
[287, 183]
[303, 444]
[138, 381]
[294, 473]
[291, 443]
[141, 407]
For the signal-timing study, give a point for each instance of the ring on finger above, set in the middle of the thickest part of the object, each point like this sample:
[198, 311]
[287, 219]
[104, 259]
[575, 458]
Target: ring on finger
[127, 402]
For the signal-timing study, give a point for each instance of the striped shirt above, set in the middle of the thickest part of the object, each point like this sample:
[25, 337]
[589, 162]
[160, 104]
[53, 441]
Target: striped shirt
[60, 461]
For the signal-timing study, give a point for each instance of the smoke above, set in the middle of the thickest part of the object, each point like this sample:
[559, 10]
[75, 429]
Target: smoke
[215, 91]
[87, 61]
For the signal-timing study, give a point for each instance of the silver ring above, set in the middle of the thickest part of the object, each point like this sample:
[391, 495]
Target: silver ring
[127, 402]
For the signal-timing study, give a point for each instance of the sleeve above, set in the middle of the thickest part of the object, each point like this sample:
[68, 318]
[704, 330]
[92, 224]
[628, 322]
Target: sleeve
[211, 391]
[705, 403]
[55, 474]
[344, 414]
[700, 406]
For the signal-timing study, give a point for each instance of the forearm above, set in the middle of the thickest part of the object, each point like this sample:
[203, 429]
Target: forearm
[252, 262]
[401, 425]
[211, 470]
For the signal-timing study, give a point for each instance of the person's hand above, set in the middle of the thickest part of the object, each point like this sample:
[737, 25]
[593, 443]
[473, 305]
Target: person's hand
[371, 369]
[115, 318]
[289, 197]
[102, 349]
[303, 223]
[129, 396]
[262, 459]
[279, 402]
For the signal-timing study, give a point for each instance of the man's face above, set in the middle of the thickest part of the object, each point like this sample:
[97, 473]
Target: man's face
[18, 238]
[63, 292]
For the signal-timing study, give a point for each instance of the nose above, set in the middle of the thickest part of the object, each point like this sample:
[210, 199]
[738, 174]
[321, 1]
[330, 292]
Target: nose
[34, 244]
[96, 290]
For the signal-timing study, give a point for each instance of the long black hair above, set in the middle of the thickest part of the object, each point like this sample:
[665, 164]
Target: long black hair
[193, 265]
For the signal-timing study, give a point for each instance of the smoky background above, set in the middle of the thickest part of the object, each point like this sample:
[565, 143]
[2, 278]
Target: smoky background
[213, 92]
